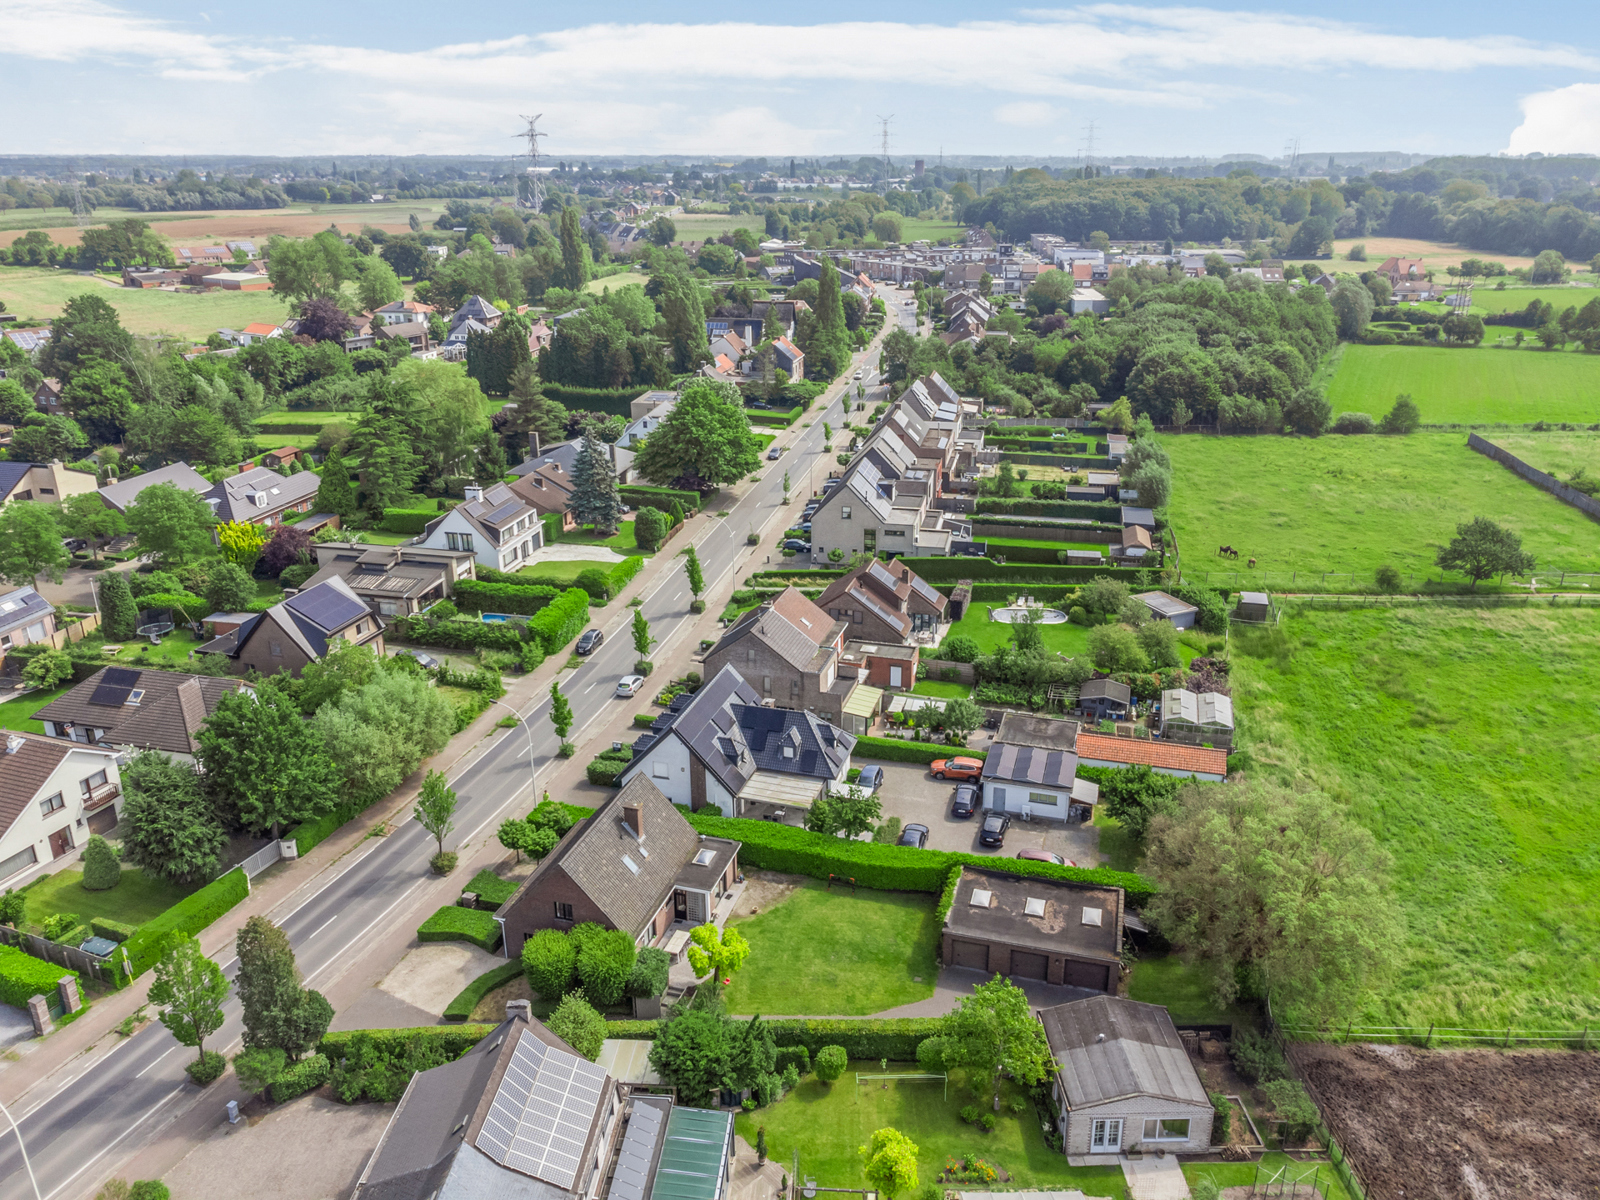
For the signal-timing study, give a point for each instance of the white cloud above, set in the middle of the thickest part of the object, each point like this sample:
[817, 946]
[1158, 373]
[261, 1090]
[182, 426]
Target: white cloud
[1026, 113]
[1563, 121]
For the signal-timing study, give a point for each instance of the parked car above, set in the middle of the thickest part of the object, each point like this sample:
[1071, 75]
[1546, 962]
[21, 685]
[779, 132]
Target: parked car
[798, 546]
[914, 835]
[966, 801]
[772, 455]
[994, 829]
[1046, 856]
[590, 640]
[423, 658]
[629, 685]
[957, 768]
[870, 779]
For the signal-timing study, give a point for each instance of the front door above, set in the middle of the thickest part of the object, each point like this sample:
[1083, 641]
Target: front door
[680, 906]
[1107, 1136]
[60, 842]
[895, 677]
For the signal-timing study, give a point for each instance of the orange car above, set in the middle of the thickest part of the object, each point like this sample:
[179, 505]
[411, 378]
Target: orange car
[957, 768]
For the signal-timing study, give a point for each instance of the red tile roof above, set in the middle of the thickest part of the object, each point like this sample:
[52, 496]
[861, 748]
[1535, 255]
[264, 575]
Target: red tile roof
[1137, 751]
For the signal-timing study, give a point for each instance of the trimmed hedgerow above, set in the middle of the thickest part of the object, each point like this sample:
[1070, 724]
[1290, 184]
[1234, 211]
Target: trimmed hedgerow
[640, 496]
[894, 1038]
[467, 999]
[312, 833]
[117, 931]
[622, 574]
[189, 915]
[948, 896]
[450, 1040]
[458, 635]
[472, 595]
[23, 976]
[456, 924]
[562, 620]
[490, 889]
[894, 750]
[299, 1078]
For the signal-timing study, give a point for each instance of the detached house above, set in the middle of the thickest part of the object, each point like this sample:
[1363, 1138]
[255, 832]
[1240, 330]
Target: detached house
[260, 496]
[135, 710]
[25, 618]
[496, 525]
[299, 630]
[53, 796]
[53, 481]
[394, 581]
[545, 479]
[122, 493]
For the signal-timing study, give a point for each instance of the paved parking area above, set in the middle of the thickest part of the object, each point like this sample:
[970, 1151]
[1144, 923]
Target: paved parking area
[912, 794]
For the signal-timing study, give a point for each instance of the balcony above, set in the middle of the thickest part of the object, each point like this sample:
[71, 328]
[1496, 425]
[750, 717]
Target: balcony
[101, 796]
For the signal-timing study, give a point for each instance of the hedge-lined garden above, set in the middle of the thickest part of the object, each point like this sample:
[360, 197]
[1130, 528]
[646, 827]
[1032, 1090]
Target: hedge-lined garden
[189, 915]
[456, 924]
[23, 976]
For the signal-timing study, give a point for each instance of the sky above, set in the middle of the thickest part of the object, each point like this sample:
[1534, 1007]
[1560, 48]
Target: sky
[310, 77]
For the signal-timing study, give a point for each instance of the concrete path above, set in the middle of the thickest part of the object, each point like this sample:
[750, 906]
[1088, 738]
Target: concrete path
[957, 982]
[1071, 1194]
[569, 552]
[1152, 1178]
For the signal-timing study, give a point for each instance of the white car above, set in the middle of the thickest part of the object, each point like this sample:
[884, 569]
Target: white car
[858, 374]
[629, 685]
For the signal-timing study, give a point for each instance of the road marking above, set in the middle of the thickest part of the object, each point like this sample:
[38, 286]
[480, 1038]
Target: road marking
[151, 1067]
[341, 952]
[320, 928]
[591, 687]
[149, 1112]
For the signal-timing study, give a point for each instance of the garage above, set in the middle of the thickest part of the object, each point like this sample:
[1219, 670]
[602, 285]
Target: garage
[103, 822]
[1025, 965]
[1086, 975]
[970, 954]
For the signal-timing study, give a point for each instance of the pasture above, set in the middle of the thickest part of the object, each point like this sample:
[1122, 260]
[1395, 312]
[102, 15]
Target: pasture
[915, 229]
[1486, 298]
[1465, 739]
[37, 293]
[1303, 506]
[1558, 454]
[699, 227]
[1470, 385]
[232, 224]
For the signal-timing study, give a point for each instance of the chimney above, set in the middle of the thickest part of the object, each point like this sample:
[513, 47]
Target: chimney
[633, 818]
[533, 442]
[14, 742]
[519, 1009]
[472, 492]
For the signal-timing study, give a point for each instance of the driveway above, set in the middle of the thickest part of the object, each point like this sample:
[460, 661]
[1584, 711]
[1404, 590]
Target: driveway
[912, 794]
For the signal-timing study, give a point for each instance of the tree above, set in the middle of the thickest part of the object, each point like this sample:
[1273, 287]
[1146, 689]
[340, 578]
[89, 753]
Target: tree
[1134, 796]
[1462, 328]
[263, 762]
[683, 319]
[1403, 418]
[531, 411]
[378, 286]
[101, 870]
[118, 613]
[650, 526]
[87, 332]
[334, 494]
[694, 1052]
[45, 439]
[886, 227]
[705, 442]
[436, 807]
[549, 958]
[561, 716]
[494, 356]
[1051, 291]
[1481, 549]
[170, 828]
[1311, 238]
[853, 813]
[287, 546]
[1548, 267]
[258, 1069]
[1154, 485]
[278, 1011]
[86, 516]
[241, 542]
[830, 1063]
[189, 989]
[994, 1032]
[311, 268]
[30, 544]
[1115, 649]
[378, 732]
[662, 231]
[697, 575]
[642, 641]
[962, 716]
[1276, 890]
[574, 254]
[171, 523]
[48, 670]
[1352, 305]
[605, 964]
[716, 952]
[576, 1022]
[595, 499]
[891, 1162]
[1308, 412]
[325, 320]
[517, 835]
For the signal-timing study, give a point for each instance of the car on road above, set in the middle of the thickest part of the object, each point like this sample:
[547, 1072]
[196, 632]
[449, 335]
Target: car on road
[590, 641]
[957, 768]
[914, 835]
[1045, 856]
[966, 801]
[870, 779]
[629, 685]
[993, 832]
[797, 546]
[857, 375]
[772, 455]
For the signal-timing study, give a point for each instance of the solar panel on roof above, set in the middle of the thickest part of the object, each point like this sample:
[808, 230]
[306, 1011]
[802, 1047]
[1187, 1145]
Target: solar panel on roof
[120, 677]
[110, 697]
[504, 511]
[326, 607]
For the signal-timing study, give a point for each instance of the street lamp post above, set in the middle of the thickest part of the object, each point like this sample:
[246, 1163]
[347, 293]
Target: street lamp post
[533, 770]
[24, 1150]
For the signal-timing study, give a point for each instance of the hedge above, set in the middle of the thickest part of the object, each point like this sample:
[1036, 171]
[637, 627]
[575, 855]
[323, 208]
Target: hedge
[301, 1077]
[775, 419]
[561, 621]
[1066, 531]
[472, 595]
[788, 849]
[305, 431]
[407, 520]
[951, 570]
[800, 577]
[189, 915]
[117, 931]
[1109, 513]
[1003, 592]
[490, 888]
[461, 1007]
[604, 768]
[23, 977]
[456, 924]
[458, 635]
[313, 833]
[639, 495]
[894, 1038]
[452, 1040]
[894, 750]
[622, 574]
[617, 402]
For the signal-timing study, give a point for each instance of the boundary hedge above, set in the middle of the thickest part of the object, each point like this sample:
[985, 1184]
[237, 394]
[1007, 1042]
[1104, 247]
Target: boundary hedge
[490, 888]
[301, 1077]
[1109, 513]
[775, 420]
[458, 635]
[22, 977]
[452, 923]
[408, 520]
[986, 570]
[467, 999]
[452, 1040]
[640, 495]
[560, 621]
[893, 1038]
[472, 595]
[189, 915]
[616, 402]
[895, 750]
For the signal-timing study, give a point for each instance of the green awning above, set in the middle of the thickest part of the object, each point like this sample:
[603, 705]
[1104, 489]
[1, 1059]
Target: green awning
[694, 1155]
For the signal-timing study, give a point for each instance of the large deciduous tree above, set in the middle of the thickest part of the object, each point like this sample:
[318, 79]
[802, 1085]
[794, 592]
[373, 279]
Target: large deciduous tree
[994, 1032]
[379, 732]
[313, 268]
[189, 989]
[30, 543]
[1481, 549]
[264, 763]
[171, 523]
[705, 442]
[87, 331]
[279, 1013]
[378, 285]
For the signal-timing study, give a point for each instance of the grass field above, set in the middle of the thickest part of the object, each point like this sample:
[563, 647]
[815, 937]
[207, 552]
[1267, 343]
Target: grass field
[136, 899]
[990, 635]
[940, 689]
[1436, 255]
[566, 569]
[1488, 299]
[852, 954]
[232, 225]
[1559, 454]
[615, 282]
[913, 229]
[1352, 504]
[37, 293]
[1466, 740]
[826, 1123]
[697, 227]
[285, 416]
[1185, 992]
[1470, 385]
[623, 541]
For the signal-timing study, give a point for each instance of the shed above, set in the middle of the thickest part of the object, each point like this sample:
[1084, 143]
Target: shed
[1136, 542]
[960, 597]
[1032, 766]
[1254, 607]
[1085, 558]
[1198, 718]
[1035, 928]
[1169, 608]
[1123, 1079]
[1141, 517]
[1105, 699]
[280, 457]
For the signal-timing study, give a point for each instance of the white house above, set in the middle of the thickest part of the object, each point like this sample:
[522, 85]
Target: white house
[497, 526]
[1031, 767]
[53, 795]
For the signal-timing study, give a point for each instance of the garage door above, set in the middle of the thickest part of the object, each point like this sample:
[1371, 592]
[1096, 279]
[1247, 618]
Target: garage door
[1029, 966]
[104, 821]
[1086, 975]
[971, 954]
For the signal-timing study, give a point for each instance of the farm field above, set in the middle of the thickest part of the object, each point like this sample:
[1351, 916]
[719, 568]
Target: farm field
[915, 229]
[1467, 385]
[1436, 255]
[1559, 454]
[235, 224]
[36, 293]
[1486, 298]
[1465, 739]
[290, 416]
[697, 227]
[1302, 507]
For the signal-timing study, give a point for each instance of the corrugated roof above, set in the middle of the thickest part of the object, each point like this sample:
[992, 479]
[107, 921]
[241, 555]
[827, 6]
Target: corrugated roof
[1197, 760]
[124, 492]
[1107, 1048]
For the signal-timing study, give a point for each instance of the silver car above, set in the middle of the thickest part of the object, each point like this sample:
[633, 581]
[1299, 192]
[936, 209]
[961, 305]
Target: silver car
[630, 685]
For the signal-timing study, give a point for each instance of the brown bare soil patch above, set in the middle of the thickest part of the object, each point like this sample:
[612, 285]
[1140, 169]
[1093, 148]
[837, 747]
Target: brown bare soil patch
[1463, 1124]
[762, 890]
[1435, 255]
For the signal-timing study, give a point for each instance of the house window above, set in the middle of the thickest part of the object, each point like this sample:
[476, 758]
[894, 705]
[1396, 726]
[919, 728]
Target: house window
[51, 804]
[788, 751]
[659, 769]
[458, 541]
[855, 615]
[794, 688]
[563, 911]
[844, 513]
[1166, 1129]
[1045, 798]
[275, 648]
[766, 685]
[96, 780]
[25, 857]
[388, 608]
[894, 533]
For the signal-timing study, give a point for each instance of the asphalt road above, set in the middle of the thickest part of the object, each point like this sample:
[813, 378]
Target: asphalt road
[129, 1088]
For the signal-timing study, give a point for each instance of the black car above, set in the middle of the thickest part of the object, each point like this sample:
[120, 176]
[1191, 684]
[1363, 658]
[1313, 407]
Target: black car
[914, 835]
[797, 546]
[994, 829]
[590, 639]
[966, 801]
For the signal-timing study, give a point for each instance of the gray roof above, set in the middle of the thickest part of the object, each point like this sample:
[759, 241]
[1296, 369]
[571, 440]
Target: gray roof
[1164, 605]
[1138, 516]
[170, 713]
[236, 495]
[22, 606]
[124, 492]
[308, 619]
[1140, 1054]
[565, 455]
[790, 624]
[641, 1148]
[1028, 764]
[11, 474]
[994, 906]
[498, 507]
[792, 741]
[1208, 709]
[1254, 598]
[706, 718]
[1107, 689]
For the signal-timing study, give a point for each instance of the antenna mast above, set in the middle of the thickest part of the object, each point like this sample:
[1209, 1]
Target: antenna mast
[533, 197]
[887, 171]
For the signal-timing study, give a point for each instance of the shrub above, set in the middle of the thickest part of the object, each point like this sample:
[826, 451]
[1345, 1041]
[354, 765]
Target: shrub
[795, 1058]
[622, 574]
[1354, 422]
[916, 752]
[189, 915]
[607, 765]
[1222, 1123]
[490, 888]
[208, 1068]
[596, 582]
[22, 977]
[831, 1062]
[58, 924]
[1388, 579]
[257, 1068]
[959, 648]
[650, 972]
[299, 1078]
[467, 999]
[577, 1023]
[101, 869]
[444, 861]
[456, 924]
[1256, 1056]
[117, 931]
[650, 525]
[605, 964]
[451, 1041]
[1294, 1108]
[548, 960]
[477, 596]
[149, 1189]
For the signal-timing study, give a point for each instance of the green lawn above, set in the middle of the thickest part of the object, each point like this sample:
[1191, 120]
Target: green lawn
[1487, 299]
[1470, 385]
[946, 691]
[827, 1122]
[40, 292]
[1560, 454]
[1467, 741]
[1244, 1174]
[1121, 851]
[1351, 504]
[821, 952]
[135, 900]
[563, 569]
[623, 541]
[990, 635]
[615, 282]
[914, 229]
[17, 714]
[285, 416]
[697, 227]
[1165, 979]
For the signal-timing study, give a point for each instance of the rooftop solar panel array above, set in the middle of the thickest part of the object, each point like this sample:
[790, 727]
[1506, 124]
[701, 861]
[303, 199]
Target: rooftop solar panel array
[326, 607]
[120, 677]
[542, 1112]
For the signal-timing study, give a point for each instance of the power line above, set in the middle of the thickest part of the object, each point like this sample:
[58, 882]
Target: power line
[887, 171]
[534, 197]
[1086, 151]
